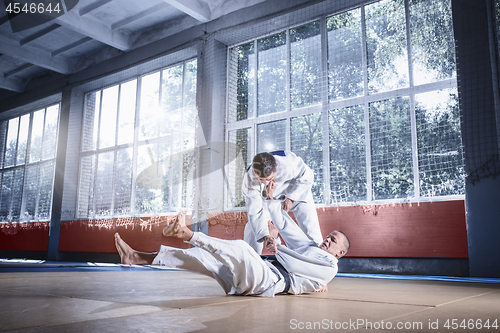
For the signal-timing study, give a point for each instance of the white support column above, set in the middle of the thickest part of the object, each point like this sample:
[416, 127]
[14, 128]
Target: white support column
[211, 111]
[60, 167]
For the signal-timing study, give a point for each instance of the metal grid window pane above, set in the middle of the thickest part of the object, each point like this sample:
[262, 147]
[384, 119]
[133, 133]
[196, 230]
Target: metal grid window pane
[306, 141]
[32, 181]
[151, 198]
[86, 189]
[386, 46]
[172, 88]
[149, 110]
[272, 74]
[10, 151]
[391, 149]
[50, 133]
[6, 192]
[239, 158]
[126, 117]
[45, 192]
[242, 90]
[190, 83]
[305, 64]
[432, 41]
[271, 136]
[17, 194]
[439, 143]
[23, 139]
[347, 155]
[345, 55]
[123, 183]
[37, 136]
[172, 79]
[104, 184]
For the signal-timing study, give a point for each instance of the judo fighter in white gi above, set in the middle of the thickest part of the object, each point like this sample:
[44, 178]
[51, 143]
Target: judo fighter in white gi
[283, 176]
[301, 267]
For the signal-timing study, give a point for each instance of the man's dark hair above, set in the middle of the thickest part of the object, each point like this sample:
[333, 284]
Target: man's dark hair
[264, 164]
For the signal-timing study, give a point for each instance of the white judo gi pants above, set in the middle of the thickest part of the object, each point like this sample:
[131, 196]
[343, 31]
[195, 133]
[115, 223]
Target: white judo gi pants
[307, 218]
[233, 263]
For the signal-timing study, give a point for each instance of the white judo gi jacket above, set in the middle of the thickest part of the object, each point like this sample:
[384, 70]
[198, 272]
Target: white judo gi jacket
[293, 179]
[309, 267]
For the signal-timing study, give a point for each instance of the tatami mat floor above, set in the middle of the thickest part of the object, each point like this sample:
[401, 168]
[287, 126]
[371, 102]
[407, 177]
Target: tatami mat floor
[125, 299]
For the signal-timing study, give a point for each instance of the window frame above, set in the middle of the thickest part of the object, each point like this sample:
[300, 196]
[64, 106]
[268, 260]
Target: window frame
[27, 163]
[136, 143]
[325, 106]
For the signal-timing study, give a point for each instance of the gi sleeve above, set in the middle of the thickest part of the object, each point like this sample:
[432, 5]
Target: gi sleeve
[313, 265]
[257, 213]
[300, 177]
[291, 233]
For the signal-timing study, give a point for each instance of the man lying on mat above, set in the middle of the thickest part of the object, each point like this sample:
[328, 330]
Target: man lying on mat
[300, 267]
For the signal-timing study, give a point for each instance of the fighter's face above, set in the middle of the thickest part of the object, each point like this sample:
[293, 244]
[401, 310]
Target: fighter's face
[335, 244]
[267, 179]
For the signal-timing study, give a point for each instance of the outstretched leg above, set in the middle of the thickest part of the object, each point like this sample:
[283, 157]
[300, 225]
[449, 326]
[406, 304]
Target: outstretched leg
[130, 256]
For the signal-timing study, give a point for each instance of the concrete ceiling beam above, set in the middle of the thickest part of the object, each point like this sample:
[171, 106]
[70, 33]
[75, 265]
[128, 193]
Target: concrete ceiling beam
[11, 84]
[33, 55]
[194, 8]
[97, 30]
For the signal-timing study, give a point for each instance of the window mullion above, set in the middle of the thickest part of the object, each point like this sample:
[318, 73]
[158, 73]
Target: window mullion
[170, 169]
[98, 138]
[369, 195]
[26, 160]
[288, 89]
[43, 133]
[4, 131]
[135, 148]
[181, 153]
[414, 147]
[17, 141]
[115, 154]
[324, 112]
[408, 43]
[414, 143]
[255, 99]
[39, 180]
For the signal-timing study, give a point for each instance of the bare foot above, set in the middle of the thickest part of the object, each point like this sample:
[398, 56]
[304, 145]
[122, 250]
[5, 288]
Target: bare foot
[124, 250]
[178, 228]
[129, 256]
[273, 231]
[323, 289]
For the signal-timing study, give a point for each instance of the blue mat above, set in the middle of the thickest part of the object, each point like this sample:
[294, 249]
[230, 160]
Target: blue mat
[421, 277]
[25, 265]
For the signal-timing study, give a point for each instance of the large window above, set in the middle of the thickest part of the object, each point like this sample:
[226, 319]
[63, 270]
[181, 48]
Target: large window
[27, 166]
[138, 145]
[367, 97]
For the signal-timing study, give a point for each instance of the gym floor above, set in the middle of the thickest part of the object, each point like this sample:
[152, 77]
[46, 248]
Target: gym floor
[39, 296]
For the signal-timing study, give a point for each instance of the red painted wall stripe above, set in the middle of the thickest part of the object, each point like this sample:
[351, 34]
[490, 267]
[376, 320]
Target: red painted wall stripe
[33, 236]
[143, 234]
[431, 229]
